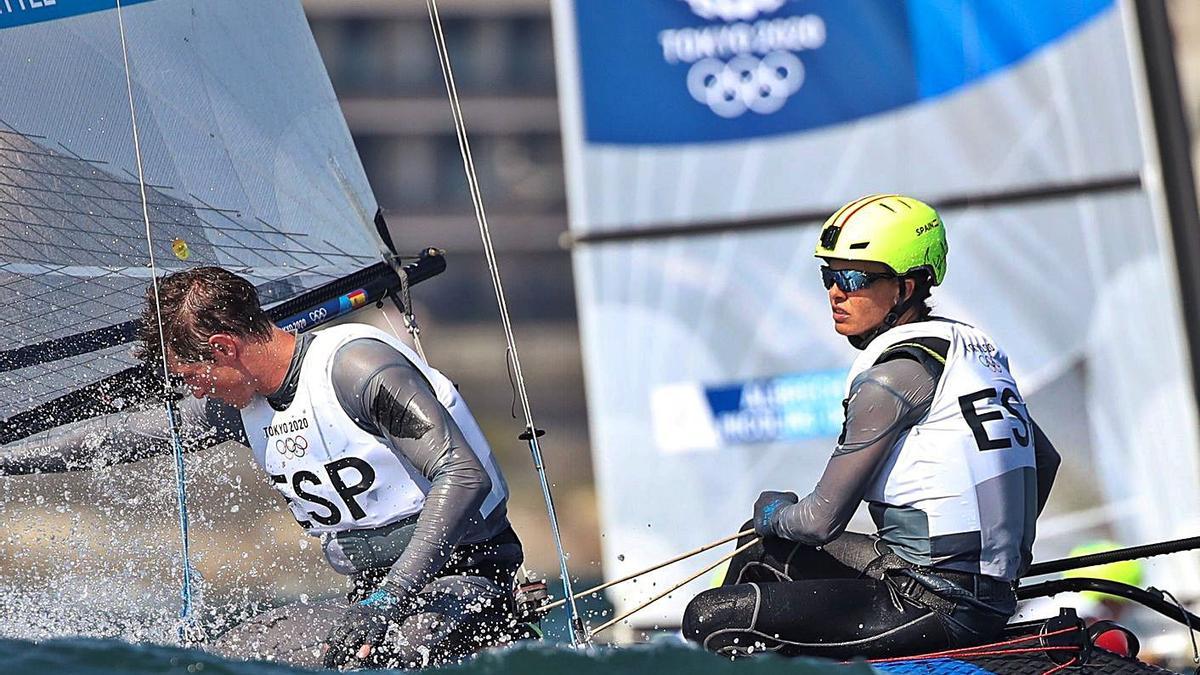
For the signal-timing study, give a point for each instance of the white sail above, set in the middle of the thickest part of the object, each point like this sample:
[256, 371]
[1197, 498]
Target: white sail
[248, 164]
[247, 159]
[705, 143]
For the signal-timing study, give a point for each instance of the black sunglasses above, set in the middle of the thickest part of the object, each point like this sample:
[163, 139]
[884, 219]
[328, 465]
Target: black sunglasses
[849, 281]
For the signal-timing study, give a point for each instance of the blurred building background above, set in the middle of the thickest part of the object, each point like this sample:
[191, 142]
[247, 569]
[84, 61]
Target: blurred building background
[1185, 18]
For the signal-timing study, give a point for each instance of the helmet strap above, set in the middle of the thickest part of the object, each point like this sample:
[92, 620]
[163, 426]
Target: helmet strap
[903, 304]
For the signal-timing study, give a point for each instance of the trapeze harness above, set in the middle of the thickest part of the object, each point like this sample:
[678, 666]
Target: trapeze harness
[954, 499]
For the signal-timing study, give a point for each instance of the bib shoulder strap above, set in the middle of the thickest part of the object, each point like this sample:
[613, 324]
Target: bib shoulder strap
[931, 352]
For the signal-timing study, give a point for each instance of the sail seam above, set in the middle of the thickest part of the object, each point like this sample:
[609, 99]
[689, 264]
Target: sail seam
[618, 233]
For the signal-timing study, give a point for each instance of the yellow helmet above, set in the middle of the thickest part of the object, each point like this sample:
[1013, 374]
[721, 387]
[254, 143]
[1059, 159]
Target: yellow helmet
[903, 233]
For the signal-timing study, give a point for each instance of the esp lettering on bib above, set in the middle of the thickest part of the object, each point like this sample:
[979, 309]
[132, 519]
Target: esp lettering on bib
[349, 477]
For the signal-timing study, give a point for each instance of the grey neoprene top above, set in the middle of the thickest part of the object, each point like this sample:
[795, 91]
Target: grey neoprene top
[376, 385]
[884, 402]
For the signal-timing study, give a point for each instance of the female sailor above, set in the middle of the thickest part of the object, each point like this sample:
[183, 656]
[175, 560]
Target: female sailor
[374, 451]
[936, 439]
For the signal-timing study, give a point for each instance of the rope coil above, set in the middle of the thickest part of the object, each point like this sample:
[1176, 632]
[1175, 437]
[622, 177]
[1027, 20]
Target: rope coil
[1003, 648]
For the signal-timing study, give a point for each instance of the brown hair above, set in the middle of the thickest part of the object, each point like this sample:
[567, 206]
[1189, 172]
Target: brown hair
[921, 292]
[197, 304]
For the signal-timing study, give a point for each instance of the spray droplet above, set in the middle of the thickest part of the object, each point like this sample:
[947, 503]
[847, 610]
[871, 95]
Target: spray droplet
[180, 248]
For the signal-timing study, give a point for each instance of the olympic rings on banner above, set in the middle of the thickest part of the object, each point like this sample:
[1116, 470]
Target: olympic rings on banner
[733, 10]
[746, 83]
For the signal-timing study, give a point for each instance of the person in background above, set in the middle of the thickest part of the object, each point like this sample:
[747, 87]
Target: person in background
[939, 443]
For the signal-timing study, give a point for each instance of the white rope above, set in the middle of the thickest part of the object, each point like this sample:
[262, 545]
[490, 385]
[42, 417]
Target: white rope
[409, 314]
[185, 612]
[653, 568]
[464, 146]
[578, 634]
[621, 617]
[414, 333]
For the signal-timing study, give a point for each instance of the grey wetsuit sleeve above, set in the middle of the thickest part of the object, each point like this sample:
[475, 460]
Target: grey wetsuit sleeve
[1047, 460]
[121, 438]
[388, 396]
[885, 401]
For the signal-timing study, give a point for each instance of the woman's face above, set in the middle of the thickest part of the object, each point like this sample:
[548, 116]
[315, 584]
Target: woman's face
[857, 312]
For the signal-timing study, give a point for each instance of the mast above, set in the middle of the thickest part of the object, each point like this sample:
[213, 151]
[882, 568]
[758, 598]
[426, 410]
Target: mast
[1173, 146]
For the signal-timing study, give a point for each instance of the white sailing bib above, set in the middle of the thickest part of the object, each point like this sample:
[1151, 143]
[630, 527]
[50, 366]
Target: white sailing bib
[334, 475]
[959, 489]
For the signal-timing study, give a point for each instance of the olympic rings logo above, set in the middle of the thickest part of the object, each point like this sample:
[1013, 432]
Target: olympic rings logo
[746, 83]
[986, 354]
[990, 362]
[733, 10]
[292, 446]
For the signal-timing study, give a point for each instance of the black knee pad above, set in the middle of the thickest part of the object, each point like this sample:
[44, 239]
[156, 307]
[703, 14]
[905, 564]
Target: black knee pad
[718, 609]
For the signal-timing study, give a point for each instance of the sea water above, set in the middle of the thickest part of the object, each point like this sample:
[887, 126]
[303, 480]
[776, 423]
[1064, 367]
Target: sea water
[112, 657]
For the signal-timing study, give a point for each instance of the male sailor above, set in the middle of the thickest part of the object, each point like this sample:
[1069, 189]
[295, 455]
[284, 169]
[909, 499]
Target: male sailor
[936, 439]
[374, 451]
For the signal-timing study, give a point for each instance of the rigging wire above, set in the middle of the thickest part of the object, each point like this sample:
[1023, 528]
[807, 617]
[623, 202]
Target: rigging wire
[412, 330]
[579, 634]
[186, 609]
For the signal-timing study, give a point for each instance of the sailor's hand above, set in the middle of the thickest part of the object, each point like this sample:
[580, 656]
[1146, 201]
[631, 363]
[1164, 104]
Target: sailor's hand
[363, 627]
[767, 508]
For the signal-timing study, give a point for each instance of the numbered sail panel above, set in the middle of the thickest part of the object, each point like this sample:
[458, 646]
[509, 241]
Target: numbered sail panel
[247, 161]
[731, 376]
[695, 111]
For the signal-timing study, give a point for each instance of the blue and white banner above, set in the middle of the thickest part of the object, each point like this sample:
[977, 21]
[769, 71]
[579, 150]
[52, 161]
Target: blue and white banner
[23, 12]
[685, 71]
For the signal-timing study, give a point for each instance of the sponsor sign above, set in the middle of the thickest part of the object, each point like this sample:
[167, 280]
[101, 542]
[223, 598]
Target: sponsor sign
[693, 416]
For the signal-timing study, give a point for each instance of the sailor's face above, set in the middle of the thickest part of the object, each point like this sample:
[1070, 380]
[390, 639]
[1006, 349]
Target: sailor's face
[857, 312]
[223, 381]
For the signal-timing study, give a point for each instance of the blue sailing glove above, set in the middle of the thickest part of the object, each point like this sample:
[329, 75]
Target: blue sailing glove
[364, 624]
[767, 509]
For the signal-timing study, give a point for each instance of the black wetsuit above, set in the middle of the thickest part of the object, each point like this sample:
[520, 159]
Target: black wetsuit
[458, 567]
[814, 589]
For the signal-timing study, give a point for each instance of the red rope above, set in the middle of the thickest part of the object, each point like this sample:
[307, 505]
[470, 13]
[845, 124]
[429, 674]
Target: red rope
[981, 652]
[990, 649]
[1068, 664]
